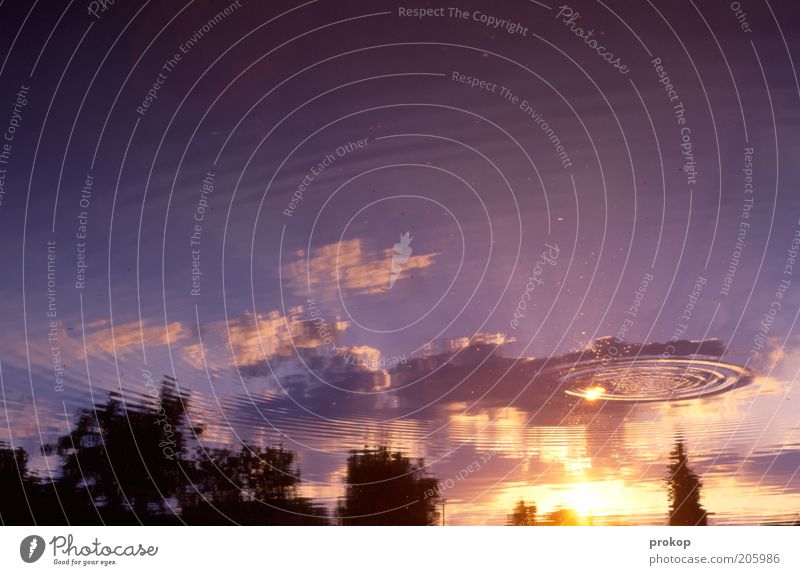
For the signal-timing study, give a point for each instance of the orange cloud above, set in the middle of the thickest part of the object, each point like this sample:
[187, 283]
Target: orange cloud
[253, 337]
[459, 343]
[129, 336]
[347, 265]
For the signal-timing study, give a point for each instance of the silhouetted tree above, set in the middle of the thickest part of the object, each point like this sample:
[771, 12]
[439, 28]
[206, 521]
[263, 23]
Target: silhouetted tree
[523, 515]
[251, 473]
[684, 491]
[128, 459]
[253, 486]
[385, 488]
[16, 486]
[565, 518]
[125, 464]
[26, 499]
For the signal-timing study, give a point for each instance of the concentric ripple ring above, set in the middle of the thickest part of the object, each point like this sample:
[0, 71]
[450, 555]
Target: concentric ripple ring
[653, 379]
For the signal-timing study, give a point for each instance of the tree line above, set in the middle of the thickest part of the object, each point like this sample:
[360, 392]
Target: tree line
[138, 464]
[126, 465]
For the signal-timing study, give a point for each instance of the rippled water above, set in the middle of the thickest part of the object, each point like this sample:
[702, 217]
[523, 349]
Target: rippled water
[654, 379]
[331, 228]
[557, 444]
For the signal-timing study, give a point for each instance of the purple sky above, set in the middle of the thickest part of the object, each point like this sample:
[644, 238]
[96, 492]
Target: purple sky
[289, 148]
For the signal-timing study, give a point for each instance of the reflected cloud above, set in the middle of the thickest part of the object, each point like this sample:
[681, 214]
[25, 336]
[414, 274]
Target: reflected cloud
[249, 339]
[127, 337]
[347, 265]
